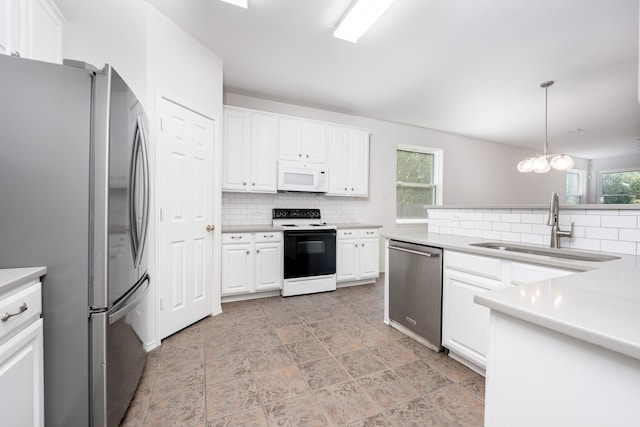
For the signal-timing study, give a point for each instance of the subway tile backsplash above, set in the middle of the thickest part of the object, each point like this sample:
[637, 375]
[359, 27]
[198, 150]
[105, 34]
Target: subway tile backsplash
[255, 208]
[603, 230]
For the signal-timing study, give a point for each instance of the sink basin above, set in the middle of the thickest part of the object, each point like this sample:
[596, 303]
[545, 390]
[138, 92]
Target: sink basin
[552, 252]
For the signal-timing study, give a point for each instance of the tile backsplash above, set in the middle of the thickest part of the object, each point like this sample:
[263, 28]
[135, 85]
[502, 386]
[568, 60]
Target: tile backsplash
[603, 230]
[255, 208]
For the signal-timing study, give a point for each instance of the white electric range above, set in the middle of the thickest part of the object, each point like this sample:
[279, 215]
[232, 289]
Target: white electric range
[309, 251]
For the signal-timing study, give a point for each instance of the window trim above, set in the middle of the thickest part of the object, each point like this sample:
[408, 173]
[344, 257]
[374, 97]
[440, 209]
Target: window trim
[438, 155]
[583, 184]
[608, 171]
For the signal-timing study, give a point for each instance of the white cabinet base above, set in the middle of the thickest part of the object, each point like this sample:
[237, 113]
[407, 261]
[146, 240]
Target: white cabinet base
[538, 377]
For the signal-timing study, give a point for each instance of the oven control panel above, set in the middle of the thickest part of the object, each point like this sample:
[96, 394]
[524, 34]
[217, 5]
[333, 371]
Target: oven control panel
[296, 214]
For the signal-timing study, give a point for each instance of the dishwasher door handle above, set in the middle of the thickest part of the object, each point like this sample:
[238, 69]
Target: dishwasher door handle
[424, 254]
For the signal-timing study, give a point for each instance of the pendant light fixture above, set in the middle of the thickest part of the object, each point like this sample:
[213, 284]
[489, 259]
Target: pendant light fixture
[542, 163]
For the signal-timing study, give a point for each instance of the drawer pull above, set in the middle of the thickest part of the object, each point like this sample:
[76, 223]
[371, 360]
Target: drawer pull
[22, 308]
[236, 237]
[348, 233]
[369, 232]
[267, 235]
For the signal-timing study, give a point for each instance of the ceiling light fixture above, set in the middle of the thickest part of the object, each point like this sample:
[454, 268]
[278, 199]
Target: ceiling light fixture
[542, 163]
[360, 17]
[239, 3]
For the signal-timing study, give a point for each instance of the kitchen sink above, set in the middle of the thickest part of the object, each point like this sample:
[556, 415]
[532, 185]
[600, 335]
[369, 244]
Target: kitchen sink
[551, 252]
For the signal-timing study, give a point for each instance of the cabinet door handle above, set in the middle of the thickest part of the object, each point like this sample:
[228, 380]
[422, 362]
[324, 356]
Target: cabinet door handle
[300, 155]
[347, 233]
[307, 156]
[22, 308]
[345, 188]
[356, 245]
[267, 235]
[244, 183]
[369, 232]
[253, 183]
[236, 237]
[248, 252]
[362, 245]
[257, 251]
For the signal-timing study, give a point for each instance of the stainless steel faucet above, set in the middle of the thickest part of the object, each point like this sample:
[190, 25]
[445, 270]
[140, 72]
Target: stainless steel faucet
[554, 212]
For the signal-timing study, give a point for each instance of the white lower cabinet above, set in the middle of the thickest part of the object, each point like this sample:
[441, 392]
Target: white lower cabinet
[358, 254]
[465, 324]
[21, 357]
[251, 262]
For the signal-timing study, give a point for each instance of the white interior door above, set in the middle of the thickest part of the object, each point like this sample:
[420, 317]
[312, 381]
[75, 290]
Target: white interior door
[186, 202]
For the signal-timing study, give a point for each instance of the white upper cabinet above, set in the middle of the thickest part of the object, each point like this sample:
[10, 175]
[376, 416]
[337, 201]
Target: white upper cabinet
[254, 141]
[31, 29]
[348, 162]
[302, 140]
[249, 151]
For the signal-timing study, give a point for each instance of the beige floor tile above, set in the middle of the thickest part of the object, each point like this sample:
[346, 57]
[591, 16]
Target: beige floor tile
[422, 376]
[307, 350]
[458, 404]
[226, 368]
[260, 340]
[252, 418]
[394, 353]
[231, 397]
[324, 372]
[257, 362]
[179, 379]
[176, 409]
[340, 342]
[280, 383]
[296, 412]
[182, 355]
[360, 363]
[418, 413]
[269, 358]
[294, 333]
[387, 388]
[346, 403]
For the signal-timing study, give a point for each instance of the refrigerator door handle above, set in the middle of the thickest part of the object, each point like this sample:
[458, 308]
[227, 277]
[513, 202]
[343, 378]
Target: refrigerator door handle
[133, 177]
[131, 300]
[146, 193]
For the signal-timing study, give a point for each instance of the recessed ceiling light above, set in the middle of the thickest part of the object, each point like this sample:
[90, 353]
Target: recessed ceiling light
[239, 3]
[362, 15]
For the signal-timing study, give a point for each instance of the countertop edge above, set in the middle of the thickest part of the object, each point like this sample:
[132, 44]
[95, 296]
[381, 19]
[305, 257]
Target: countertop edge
[587, 335]
[13, 277]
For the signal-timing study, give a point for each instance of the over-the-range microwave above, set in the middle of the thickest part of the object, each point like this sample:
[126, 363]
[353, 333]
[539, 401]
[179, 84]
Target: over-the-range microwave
[300, 176]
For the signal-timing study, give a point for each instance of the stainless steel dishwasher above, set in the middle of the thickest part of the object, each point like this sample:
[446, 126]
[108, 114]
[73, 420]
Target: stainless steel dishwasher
[415, 290]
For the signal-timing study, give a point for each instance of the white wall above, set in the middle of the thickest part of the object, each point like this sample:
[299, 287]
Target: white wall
[154, 56]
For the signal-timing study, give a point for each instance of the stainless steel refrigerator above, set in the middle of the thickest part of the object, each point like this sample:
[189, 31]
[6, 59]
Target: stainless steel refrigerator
[74, 197]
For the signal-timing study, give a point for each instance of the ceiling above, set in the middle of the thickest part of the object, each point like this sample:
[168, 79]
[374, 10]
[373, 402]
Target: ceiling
[470, 67]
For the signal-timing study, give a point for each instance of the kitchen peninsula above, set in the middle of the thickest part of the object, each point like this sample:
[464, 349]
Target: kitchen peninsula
[562, 351]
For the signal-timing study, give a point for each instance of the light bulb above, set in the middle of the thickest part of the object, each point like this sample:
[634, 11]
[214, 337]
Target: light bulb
[541, 165]
[562, 162]
[525, 166]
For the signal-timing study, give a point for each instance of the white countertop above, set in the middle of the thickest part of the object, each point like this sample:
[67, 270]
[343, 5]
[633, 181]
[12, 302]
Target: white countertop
[269, 227]
[12, 277]
[600, 304]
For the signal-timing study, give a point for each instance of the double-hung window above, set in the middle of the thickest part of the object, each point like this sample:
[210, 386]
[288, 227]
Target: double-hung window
[619, 186]
[418, 182]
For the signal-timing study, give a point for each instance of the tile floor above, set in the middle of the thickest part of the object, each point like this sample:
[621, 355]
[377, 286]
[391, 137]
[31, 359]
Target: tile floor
[314, 360]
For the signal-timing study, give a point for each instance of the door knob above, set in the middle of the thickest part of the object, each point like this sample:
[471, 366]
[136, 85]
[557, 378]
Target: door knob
[210, 228]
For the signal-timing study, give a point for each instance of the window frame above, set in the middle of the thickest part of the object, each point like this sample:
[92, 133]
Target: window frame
[583, 185]
[438, 155]
[602, 172]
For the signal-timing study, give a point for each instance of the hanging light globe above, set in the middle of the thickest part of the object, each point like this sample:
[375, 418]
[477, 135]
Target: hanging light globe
[541, 165]
[525, 166]
[562, 162]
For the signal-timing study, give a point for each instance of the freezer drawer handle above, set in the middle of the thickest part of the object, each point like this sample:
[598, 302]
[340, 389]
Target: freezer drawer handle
[21, 309]
[424, 254]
